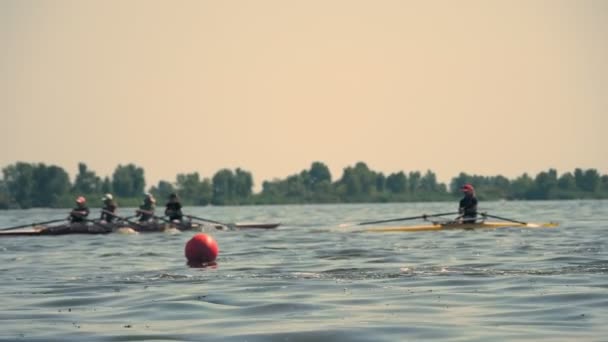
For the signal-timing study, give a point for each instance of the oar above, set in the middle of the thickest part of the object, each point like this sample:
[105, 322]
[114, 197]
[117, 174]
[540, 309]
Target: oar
[424, 216]
[208, 220]
[126, 219]
[151, 213]
[504, 219]
[33, 224]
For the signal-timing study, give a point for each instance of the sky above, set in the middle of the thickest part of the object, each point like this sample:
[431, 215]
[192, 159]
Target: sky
[483, 87]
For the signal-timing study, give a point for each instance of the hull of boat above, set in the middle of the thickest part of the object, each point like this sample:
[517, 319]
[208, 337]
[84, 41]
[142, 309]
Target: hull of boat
[106, 228]
[451, 226]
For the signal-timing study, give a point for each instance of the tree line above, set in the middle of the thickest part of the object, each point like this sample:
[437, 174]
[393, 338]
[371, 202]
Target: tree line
[26, 185]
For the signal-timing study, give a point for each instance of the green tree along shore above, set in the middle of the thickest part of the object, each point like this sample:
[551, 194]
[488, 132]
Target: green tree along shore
[26, 185]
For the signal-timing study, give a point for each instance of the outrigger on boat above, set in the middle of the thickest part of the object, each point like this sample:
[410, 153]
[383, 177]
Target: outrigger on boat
[152, 226]
[479, 223]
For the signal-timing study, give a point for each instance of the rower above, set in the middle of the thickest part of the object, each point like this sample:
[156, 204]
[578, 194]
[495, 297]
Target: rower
[108, 210]
[468, 204]
[80, 212]
[146, 210]
[173, 208]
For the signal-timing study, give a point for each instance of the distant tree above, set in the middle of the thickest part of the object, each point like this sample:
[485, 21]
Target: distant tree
[223, 187]
[243, 184]
[522, 186]
[271, 190]
[358, 183]
[579, 179]
[544, 184]
[380, 182]
[414, 181]
[86, 181]
[20, 183]
[296, 187]
[5, 197]
[397, 183]
[307, 181]
[28, 185]
[162, 190]
[319, 172]
[428, 182]
[308, 186]
[187, 185]
[460, 180]
[604, 185]
[128, 181]
[194, 190]
[35, 185]
[206, 192]
[51, 183]
[566, 182]
[106, 185]
[591, 181]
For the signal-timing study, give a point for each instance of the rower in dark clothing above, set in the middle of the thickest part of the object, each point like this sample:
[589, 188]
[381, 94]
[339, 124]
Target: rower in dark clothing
[146, 210]
[80, 212]
[174, 208]
[108, 210]
[468, 204]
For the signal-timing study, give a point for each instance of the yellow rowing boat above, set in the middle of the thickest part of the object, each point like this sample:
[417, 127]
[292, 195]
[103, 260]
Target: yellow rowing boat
[452, 225]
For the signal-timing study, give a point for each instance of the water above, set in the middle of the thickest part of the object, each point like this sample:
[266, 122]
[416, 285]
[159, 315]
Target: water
[312, 281]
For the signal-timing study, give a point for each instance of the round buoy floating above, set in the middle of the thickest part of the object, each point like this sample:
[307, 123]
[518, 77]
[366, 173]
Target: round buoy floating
[201, 249]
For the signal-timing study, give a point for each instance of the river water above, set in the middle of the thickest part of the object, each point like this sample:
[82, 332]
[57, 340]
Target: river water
[310, 280]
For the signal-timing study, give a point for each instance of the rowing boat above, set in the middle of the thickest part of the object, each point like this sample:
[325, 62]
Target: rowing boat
[106, 228]
[457, 225]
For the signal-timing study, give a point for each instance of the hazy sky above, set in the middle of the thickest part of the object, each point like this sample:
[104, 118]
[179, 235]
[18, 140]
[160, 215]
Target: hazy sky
[486, 87]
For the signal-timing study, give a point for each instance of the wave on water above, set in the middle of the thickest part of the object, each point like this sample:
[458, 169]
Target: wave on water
[309, 280]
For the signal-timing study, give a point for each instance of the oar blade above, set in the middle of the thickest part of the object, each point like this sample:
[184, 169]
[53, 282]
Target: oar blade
[543, 225]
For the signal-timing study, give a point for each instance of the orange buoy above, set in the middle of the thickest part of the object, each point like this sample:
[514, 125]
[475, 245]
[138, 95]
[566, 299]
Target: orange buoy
[201, 249]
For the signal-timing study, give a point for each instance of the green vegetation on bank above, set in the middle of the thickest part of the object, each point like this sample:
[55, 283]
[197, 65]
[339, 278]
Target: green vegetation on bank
[26, 185]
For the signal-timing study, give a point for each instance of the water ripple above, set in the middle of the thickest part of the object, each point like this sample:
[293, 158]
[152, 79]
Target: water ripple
[311, 280]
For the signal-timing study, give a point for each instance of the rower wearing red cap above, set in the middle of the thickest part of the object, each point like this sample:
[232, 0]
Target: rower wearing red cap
[80, 212]
[468, 204]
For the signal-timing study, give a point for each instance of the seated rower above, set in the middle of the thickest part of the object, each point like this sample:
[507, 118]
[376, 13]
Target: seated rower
[468, 204]
[108, 210]
[146, 210]
[174, 209]
[80, 212]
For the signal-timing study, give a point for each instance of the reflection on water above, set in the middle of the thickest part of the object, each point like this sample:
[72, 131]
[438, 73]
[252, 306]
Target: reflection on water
[311, 280]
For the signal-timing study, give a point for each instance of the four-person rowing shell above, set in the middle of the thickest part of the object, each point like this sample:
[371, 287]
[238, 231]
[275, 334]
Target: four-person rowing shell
[145, 220]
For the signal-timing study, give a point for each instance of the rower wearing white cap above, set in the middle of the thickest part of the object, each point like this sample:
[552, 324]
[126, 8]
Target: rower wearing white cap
[108, 210]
